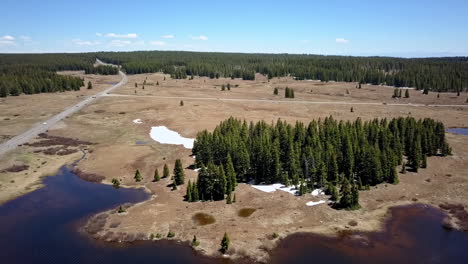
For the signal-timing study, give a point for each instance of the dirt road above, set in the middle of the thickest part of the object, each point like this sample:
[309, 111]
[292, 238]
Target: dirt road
[45, 125]
[285, 101]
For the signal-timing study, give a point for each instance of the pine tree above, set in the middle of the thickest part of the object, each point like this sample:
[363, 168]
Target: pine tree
[331, 190]
[225, 243]
[195, 196]
[424, 161]
[407, 93]
[228, 199]
[231, 180]
[181, 103]
[136, 85]
[138, 176]
[90, 85]
[234, 198]
[219, 185]
[156, 175]
[275, 91]
[179, 175]
[223, 87]
[354, 197]
[346, 200]
[416, 155]
[229, 87]
[188, 193]
[165, 171]
[157, 82]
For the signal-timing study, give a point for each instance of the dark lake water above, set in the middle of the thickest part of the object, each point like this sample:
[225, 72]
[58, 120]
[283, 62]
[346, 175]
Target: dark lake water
[413, 235]
[459, 130]
[42, 227]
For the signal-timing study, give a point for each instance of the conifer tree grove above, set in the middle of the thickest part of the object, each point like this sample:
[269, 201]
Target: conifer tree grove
[335, 155]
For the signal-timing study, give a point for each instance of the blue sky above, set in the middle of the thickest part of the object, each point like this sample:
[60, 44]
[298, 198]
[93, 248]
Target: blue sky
[410, 28]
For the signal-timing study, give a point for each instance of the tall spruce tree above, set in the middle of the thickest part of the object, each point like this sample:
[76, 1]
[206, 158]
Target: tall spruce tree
[156, 175]
[166, 171]
[179, 175]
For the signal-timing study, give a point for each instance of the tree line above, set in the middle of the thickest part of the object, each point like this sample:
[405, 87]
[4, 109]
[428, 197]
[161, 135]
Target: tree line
[436, 74]
[32, 80]
[36, 73]
[340, 157]
[103, 70]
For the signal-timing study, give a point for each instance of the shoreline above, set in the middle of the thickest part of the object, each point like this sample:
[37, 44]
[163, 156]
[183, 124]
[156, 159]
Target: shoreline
[383, 217]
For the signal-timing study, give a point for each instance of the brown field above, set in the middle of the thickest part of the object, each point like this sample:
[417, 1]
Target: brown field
[116, 154]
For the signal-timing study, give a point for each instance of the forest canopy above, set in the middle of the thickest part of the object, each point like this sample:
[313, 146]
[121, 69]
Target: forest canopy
[36, 73]
[436, 74]
[325, 154]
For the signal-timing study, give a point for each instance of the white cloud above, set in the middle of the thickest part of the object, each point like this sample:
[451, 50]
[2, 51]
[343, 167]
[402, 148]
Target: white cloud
[341, 40]
[6, 43]
[168, 36]
[158, 43]
[7, 38]
[120, 43]
[201, 37]
[80, 42]
[99, 34]
[129, 35]
[25, 38]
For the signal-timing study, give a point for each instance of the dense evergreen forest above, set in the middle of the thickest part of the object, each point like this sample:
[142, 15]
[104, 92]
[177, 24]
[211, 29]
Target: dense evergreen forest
[436, 74]
[104, 70]
[35, 73]
[341, 157]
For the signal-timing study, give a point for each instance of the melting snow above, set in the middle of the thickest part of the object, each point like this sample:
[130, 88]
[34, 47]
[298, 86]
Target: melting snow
[164, 135]
[315, 203]
[276, 186]
[138, 121]
[317, 192]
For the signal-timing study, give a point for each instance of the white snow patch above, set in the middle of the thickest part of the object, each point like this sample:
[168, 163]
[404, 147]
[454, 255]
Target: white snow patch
[317, 192]
[197, 169]
[277, 186]
[164, 135]
[138, 121]
[311, 203]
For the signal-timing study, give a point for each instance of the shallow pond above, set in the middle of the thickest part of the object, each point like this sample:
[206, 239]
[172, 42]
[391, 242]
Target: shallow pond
[458, 130]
